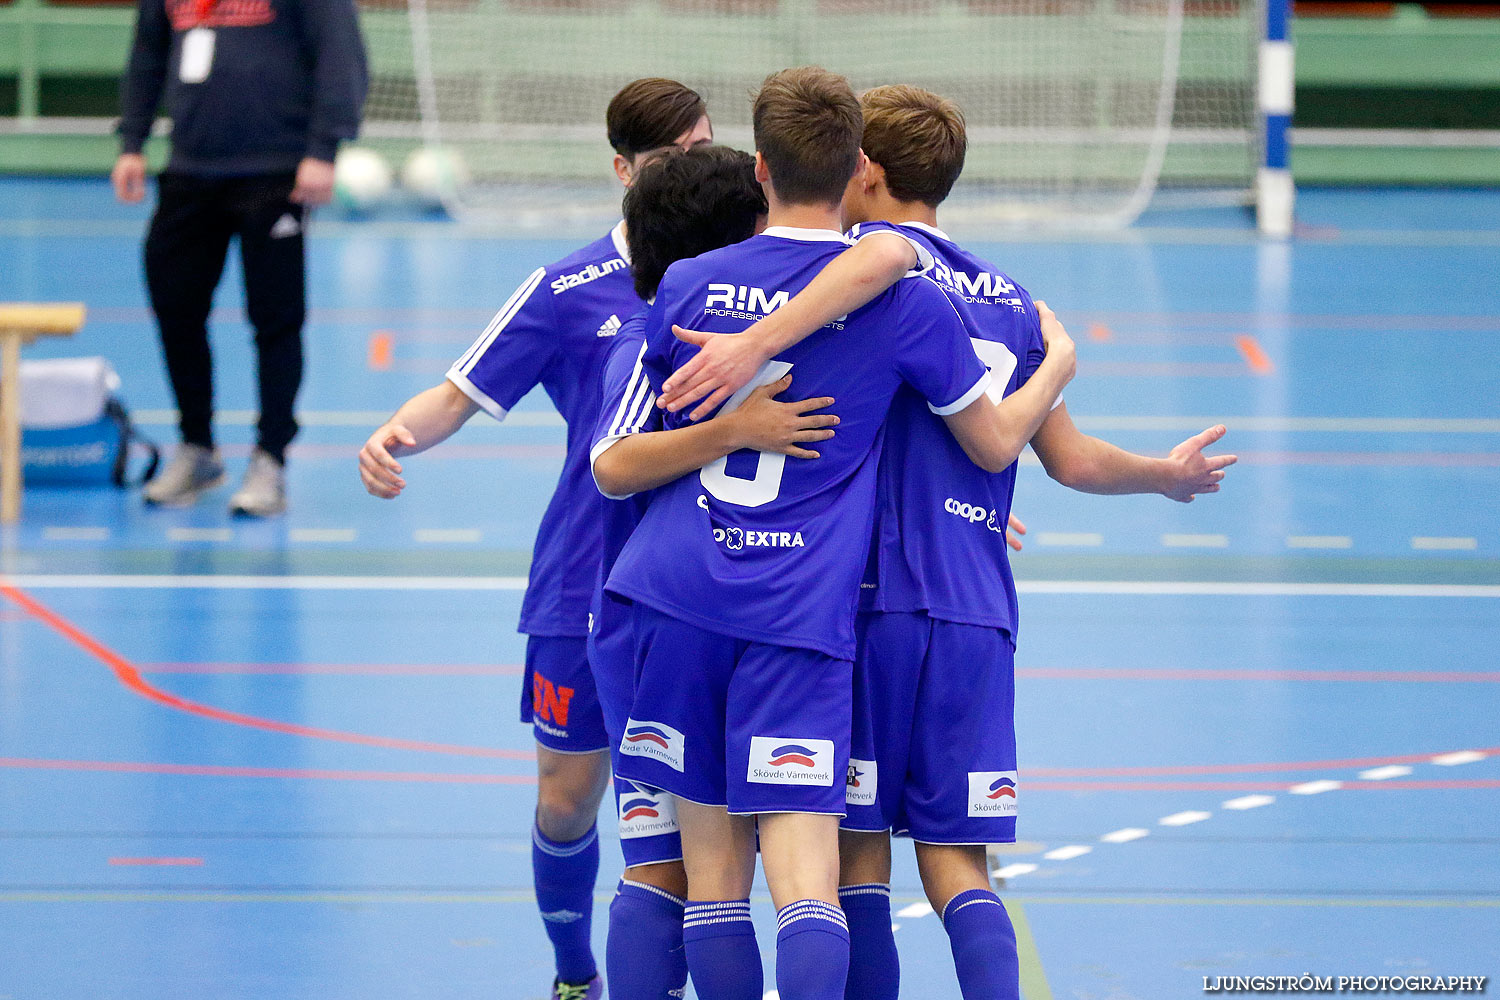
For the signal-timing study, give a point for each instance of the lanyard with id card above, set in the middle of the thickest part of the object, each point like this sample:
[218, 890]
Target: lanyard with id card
[197, 46]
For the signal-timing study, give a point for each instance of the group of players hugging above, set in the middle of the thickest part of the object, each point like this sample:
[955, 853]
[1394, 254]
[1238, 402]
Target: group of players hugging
[771, 595]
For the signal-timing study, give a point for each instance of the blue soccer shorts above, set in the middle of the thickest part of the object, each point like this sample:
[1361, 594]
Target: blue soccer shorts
[933, 753]
[558, 696]
[647, 816]
[728, 722]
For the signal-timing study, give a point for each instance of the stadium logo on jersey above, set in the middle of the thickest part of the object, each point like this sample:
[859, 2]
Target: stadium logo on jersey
[549, 704]
[859, 788]
[645, 812]
[975, 514]
[592, 272]
[735, 539]
[778, 760]
[992, 793]
[654, 740]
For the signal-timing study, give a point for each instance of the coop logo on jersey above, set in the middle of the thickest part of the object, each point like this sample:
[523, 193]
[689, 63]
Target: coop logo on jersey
[654, 740]
[645, 812]
[975, 514]
[992, 793]
[859, 786]
[735, 539]
[777, 760]
[591, 272]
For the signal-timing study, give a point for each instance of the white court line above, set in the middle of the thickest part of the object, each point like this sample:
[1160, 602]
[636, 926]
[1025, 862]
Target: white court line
[1069, 538]
[1457, 758]
[1195, 541]
[1143, 588]
[447, 536]
[1249, 802]
[369, 419]
[1184, 818]
[322, 534]
[1316, 787]
[1385, 773]
[1011, 871]
[63, 533]
[1431, 544]
[1319, 542]
[1068, 853]
[1125, 836]
[915, 910]
[199, 535]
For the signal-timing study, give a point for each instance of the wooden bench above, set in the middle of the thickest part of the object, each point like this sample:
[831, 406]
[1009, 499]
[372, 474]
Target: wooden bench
[21, 323]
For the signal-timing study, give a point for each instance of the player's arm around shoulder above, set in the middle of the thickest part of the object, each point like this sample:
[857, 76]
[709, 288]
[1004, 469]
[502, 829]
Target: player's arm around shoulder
[993, 430]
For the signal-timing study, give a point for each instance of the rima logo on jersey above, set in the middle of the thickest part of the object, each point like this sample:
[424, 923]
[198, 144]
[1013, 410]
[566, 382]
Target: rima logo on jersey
[982, 288]
[975, 514]
[859, 787]
[593, 272]
[781, 760]
[655, 740]
[645, 812]
[992, 793]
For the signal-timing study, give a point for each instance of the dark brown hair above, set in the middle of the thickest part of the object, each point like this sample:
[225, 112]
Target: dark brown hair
[807, 128]
[651, 113]
[918, 137]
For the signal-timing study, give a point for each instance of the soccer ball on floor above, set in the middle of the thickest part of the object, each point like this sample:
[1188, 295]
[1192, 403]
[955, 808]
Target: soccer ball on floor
[361, 179]
[434, 175]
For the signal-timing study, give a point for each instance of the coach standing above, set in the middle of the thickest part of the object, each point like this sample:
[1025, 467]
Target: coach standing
[260, 93]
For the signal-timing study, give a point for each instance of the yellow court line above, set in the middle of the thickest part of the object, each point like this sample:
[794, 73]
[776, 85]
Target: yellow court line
[1034, 984]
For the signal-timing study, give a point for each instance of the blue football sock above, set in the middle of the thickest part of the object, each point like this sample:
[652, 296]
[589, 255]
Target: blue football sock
[984, 946]
[874, 969]
[644, 956]
[564, 875]
[721, 951]
[812, 951]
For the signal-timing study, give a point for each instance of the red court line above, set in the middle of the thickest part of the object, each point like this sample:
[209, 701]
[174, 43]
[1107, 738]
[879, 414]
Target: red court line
[352, 669]
[130, 676]
[1214, 674]
[1255, 357]
[1244, 786]
[220, 771]
[158, 862]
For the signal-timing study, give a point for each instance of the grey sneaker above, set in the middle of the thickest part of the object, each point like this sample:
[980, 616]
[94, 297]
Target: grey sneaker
[193, 471]
[262, 492]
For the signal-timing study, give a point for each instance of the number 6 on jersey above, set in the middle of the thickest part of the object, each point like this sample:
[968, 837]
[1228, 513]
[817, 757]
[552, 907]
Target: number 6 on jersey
[764, 486]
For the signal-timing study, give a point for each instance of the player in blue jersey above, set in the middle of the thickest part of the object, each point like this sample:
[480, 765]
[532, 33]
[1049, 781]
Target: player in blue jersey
[937, 642]
[555, 331]
[744, 634]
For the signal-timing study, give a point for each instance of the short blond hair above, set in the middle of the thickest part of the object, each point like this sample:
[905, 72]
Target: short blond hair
[918, 137]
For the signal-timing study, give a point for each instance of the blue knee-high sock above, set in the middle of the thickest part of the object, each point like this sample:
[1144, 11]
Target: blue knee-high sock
[564, 875]
[645, 957]
[874, 969]
[812, 951]
[721, 951]
[984, 946]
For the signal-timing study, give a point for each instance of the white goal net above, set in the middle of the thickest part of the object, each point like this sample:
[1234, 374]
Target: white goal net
[1079, 111]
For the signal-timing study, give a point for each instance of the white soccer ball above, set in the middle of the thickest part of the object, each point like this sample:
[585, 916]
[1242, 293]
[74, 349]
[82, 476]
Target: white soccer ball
[361, 178]
[434, 174]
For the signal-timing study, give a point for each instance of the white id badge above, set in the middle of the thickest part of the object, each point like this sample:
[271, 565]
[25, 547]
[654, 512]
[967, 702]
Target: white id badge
[197, 55]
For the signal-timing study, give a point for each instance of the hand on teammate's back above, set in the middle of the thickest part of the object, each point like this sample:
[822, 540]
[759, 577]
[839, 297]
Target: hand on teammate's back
[765, 423]
[722, 366]
[378, 468]
[1192, 472]
[129, 177]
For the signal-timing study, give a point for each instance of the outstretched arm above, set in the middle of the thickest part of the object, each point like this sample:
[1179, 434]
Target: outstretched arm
[1091, 465]
[725, 364]
[639, 462]
[426, 419]
[993, 433]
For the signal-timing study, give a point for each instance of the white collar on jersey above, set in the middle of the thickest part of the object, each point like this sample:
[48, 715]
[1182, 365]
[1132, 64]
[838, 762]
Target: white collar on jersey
[930, 230]
[809, 235]
[617, 235]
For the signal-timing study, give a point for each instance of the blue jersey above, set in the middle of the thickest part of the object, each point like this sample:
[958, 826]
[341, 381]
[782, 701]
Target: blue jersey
[756, 545]
[940, 524]
[556, 330]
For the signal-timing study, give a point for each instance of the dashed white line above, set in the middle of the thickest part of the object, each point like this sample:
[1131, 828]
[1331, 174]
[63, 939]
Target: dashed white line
[199, 535]
[1249, 802]
[448, 536]
[1080, 538]
[1011, 871]
[1067, 853]
[1184, 818]
[915, 910]
[1439, 544]
[1195, 541]
[1316, 787]
[1319, 542]
[1385, 773]
[1458, 757]
[322, 534]
[1125, 836]
[65, 533]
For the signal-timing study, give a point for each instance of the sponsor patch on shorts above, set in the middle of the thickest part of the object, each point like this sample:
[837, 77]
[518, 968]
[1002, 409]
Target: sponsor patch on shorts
[785, 760]
[645, 812]
[656, 740]
[859, 788]
[992, 793]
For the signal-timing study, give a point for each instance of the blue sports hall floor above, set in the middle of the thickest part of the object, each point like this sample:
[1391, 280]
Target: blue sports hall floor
[1260, 734]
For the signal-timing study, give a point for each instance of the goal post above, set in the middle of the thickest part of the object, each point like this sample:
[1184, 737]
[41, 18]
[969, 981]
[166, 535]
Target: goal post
[1079, 111]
